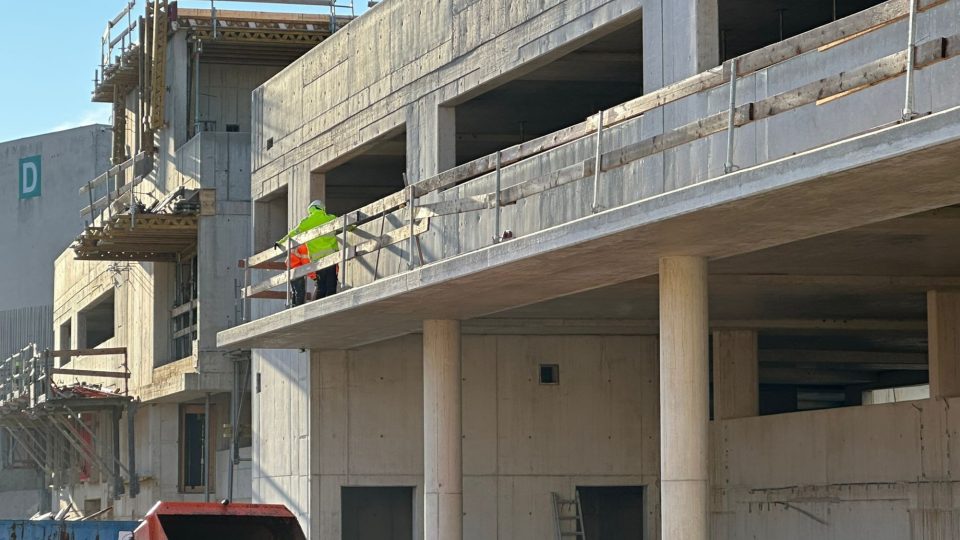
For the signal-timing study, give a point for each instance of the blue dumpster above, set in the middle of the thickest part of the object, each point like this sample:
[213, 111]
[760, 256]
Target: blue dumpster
[16, 529]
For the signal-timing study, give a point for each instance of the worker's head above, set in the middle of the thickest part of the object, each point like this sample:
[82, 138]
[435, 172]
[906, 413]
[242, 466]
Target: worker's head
[317, 204]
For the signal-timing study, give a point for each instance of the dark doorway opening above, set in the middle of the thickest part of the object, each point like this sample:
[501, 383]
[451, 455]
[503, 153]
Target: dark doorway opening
[376, 513]
[612, 512]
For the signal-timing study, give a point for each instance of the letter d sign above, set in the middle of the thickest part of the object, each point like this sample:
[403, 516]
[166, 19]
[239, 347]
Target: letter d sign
[29, 177]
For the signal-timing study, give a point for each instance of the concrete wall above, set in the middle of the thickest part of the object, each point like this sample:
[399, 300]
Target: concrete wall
[355, 418]
[68, 159]
[384, 72]
[871, 472]
[877, 472]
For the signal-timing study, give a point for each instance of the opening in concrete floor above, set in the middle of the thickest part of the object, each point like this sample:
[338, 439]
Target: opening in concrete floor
[367, 175]
[376, 513]
[747, 25]
[599, 74]
[612, 512]
[836, 320]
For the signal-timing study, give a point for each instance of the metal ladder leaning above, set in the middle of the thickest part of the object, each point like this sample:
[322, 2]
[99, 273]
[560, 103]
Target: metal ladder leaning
[568, 525]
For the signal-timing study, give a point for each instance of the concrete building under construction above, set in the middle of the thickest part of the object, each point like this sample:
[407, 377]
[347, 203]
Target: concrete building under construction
[129, 400]
[40, 177]
[613, 269]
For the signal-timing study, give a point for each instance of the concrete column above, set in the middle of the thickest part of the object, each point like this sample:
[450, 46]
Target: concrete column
[304, 187]
[442, 442]
[431, 139]
[684, 331]
[736, 388]
[943, 338]
[680, 39]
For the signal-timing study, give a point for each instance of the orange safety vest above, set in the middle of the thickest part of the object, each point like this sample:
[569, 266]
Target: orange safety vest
[299, 257]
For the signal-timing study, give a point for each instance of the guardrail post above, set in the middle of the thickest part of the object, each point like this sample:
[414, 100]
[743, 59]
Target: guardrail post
[497, 232]
[90, 196]
[908, 112]
[596, 164]
[343, 253]
[412, 211]
[728, 166]
[289, 272]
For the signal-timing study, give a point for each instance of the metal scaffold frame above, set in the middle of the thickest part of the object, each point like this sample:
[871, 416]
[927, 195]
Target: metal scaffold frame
[56, 425]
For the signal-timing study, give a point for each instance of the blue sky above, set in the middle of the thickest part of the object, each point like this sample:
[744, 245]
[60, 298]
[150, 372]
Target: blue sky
[48, 53]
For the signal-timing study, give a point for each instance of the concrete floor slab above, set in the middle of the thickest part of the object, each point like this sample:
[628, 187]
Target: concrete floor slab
[897, 171]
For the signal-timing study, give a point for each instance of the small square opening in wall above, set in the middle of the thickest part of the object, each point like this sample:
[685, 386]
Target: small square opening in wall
[549, 374]
[270, 143]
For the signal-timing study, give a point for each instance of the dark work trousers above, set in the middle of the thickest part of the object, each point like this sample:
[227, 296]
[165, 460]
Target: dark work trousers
[298, 291]
[326, 282]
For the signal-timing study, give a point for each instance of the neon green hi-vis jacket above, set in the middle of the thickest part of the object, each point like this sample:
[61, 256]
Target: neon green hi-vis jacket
[322, 245]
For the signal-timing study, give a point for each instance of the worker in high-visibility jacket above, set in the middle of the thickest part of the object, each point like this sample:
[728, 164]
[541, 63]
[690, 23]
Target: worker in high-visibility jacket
[312, 251]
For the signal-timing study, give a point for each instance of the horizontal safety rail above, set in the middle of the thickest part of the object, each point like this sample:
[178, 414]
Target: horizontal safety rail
[345, 228]
[113, 183]
[116, 43]
[912, 57]
[25, 376]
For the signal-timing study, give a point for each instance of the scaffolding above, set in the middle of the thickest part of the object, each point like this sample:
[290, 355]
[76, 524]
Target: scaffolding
[70, 431]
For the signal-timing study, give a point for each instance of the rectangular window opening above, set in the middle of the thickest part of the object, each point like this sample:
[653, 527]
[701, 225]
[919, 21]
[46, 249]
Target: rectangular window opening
[194, 450]
[98, 321]
[549, 374]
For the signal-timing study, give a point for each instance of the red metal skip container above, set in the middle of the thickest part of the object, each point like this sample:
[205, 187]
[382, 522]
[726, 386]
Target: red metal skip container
[208, 521]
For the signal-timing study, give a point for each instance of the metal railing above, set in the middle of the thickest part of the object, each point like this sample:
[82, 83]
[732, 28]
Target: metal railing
[408, 206]
[45, 417]
[115, 185]
[119, 38]
[27, 377]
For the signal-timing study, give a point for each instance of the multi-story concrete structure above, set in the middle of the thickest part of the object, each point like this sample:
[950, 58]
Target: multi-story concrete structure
[681, 320]
[153, 272]
[39, 216]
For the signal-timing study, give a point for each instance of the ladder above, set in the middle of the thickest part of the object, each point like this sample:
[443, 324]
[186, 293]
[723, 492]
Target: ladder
[569, 516]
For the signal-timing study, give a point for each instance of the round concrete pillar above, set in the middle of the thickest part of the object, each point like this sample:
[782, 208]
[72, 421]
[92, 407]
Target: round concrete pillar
[684, 394]
[442, 442]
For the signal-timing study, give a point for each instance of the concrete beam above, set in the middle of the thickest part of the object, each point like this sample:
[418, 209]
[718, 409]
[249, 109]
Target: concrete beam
[431, 139]
[684, 405]
[943, 337]
[617, 327]
[864, 360]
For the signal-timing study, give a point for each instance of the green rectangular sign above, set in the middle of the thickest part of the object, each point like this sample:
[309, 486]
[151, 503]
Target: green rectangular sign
[29, 177]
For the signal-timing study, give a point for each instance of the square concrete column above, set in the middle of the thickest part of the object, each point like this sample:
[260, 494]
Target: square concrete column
[684, 405]
[431, 138]
[943, 342]
[442, 440]
[736, 387]
[680, 39]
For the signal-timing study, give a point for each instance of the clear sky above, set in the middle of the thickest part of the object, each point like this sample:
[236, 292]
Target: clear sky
[49, 51]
